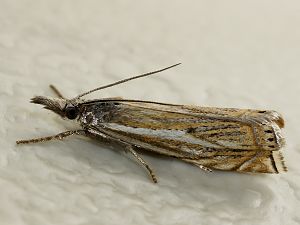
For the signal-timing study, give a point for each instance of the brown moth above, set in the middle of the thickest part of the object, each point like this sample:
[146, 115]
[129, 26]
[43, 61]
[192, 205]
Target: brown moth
[242, 140]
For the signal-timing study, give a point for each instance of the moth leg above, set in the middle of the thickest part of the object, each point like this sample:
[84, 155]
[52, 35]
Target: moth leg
[59, 136]
[206, 169]
[142, 161]
[128, 147]
[56, 91]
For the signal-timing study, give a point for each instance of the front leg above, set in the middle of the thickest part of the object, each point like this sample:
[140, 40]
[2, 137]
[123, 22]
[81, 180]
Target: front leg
[56, 91]
[59, 136]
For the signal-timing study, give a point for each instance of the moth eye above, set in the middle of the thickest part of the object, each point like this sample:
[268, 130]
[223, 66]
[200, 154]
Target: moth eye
[72, 112]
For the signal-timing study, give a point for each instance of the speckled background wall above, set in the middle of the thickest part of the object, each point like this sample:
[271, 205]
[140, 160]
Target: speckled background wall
[234, 54]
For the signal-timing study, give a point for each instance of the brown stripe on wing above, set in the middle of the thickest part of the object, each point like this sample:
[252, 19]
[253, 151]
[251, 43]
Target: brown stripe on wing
[243, 161]
[227, 134]
[211, 130]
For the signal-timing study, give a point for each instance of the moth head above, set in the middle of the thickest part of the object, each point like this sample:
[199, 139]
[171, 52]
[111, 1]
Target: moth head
[71, 108]
[63, 107]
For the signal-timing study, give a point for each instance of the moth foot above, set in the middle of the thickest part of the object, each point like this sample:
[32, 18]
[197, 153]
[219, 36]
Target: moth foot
[204, 168]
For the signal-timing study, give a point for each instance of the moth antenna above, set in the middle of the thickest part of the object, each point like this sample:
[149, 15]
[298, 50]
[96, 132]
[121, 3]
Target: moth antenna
[125, 80]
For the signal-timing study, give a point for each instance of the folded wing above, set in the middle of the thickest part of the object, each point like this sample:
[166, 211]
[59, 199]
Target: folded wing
[218, 138]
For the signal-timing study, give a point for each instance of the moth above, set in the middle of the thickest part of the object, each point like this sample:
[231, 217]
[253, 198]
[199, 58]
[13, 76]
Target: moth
[242, 140]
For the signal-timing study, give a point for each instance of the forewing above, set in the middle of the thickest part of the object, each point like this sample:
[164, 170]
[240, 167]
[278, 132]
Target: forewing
[227, 139]
[198, 127]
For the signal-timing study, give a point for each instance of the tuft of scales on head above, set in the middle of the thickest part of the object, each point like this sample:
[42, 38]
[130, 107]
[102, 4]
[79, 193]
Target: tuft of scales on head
[63, 107]
[54, 104]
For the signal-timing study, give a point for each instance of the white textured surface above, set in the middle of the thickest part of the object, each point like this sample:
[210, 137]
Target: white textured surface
[234, 54]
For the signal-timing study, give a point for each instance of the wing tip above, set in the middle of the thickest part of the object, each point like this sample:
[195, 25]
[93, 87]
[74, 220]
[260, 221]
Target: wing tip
[279, 162]
[277, 118]
[270, 116]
